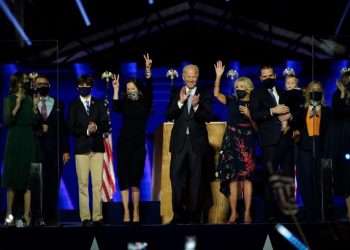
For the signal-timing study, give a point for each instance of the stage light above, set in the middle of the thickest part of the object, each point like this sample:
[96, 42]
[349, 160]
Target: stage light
[150, 2]
[290, 237]
[347, 156]
[83, 12]
[15, 22]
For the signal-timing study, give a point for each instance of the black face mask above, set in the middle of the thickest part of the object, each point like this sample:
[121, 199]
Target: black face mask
[84, 91]
[269, 83]
[316, 96]
[241, 93]
[43, 91]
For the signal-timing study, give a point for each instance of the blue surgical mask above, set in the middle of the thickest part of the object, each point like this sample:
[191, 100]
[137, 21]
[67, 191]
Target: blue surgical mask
[84, 91]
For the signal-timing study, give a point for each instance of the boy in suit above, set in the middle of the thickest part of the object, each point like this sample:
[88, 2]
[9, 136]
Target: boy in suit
[87, 121]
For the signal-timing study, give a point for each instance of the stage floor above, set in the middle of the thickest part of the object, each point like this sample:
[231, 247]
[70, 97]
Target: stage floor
[168, 237]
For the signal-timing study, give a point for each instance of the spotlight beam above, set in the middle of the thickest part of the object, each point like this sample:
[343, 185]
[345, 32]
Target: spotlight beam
[83, 12]
[14, 22]
[343, 17]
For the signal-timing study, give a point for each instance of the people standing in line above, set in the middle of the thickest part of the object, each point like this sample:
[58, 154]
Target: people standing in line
[53, 147]
[190, 109]
[272, 117]
[339, 144]
[313, 131]
[236, 160]
[87, 121]
[20, 116]
[135, 107]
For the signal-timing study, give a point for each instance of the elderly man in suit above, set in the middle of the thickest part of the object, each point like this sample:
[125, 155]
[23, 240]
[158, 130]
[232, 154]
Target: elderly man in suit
[87, 121]
[190, 109]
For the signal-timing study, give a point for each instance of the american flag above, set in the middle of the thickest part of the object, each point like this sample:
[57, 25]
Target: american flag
[108, 181]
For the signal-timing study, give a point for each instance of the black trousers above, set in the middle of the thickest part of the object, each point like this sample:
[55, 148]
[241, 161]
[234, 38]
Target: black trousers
[185, 176]
[308, 175]
[279, 158]
[51, 183]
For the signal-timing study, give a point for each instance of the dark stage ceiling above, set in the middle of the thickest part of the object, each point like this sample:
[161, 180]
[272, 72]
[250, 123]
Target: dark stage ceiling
[175, 31]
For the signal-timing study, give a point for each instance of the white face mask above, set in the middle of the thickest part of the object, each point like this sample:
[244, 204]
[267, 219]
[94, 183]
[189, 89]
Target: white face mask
[133, 95]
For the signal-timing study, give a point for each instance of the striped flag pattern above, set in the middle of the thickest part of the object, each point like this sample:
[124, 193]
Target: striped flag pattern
[108, 181]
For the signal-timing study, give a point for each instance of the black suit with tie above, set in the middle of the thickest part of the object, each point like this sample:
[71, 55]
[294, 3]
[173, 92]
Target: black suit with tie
[277, 147]
[188, 144]
[78, 121]
[51, 147]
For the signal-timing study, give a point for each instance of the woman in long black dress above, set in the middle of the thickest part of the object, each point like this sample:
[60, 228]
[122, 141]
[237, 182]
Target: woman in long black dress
[341, 137]
[236, 160]
[20, 117]
[135, 106]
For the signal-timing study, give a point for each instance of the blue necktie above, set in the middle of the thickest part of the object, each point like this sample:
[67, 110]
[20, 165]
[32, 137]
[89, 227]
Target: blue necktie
[189, 101]
[87, 105]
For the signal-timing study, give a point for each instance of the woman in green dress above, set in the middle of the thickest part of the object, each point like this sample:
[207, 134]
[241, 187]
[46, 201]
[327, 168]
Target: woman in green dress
[20, 116]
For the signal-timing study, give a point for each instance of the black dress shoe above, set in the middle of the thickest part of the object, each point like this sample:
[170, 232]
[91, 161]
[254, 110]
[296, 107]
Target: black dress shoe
[86, 223]
[136, 223]
[175, 221]
[99, 223]
[127, 223]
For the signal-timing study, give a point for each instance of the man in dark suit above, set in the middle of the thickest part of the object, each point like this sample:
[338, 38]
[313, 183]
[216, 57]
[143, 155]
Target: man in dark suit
[272, 117]
[53, 147]
[190, 109]
[87, 121]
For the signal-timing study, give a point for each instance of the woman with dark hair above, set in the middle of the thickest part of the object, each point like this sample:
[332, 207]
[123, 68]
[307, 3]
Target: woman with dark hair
[135, 107]
[313, 131]
[20, 116]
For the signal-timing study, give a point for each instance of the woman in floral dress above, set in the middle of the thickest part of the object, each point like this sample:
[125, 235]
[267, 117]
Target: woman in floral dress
[236, 160]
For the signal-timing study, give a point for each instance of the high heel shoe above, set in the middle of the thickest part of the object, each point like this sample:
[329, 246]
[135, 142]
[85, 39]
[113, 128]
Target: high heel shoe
[234, 221]
[231, 222]
[247, 219]
[10, 221]
[26, 222]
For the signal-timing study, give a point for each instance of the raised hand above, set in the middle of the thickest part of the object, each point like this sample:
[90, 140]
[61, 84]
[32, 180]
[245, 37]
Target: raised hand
[18, 100]
[183, 96]
[148, 61]
[36, 100]
[115, 81]
[219, 69]
[195, 100]
[341, 88]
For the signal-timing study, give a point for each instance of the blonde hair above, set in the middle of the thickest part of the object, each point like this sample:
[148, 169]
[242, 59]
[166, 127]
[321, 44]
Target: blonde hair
[247, 83]
[309, 89]
[195, 67]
